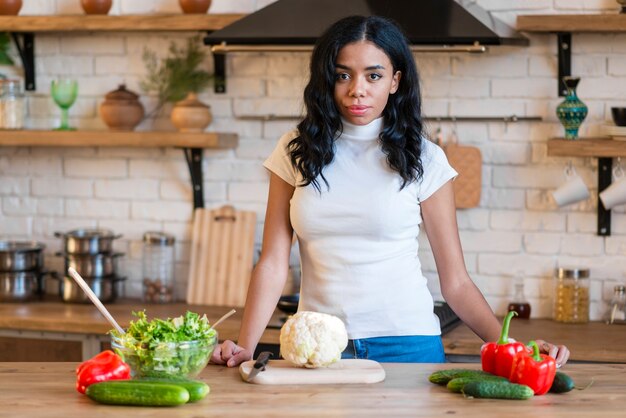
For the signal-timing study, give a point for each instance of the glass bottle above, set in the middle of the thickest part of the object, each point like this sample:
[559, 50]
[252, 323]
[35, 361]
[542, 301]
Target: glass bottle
[12, 104]
[158, 267]
[519, 303]
[571, 295]
[617, 307]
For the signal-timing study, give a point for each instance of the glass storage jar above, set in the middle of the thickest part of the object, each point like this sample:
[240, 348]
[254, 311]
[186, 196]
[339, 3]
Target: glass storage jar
[158, 267]
[571, 295]
[12, 104]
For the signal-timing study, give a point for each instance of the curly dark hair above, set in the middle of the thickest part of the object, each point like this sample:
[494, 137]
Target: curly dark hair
[401, 136]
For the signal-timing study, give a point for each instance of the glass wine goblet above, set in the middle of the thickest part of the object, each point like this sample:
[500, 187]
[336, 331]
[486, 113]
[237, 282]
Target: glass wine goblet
[64, 92]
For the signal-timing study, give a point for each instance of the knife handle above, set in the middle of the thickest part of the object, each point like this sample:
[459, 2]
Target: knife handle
[262, 360]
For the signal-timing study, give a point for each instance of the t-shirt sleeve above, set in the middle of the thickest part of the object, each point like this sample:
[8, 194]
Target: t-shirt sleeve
[437, 170]
[279, 161]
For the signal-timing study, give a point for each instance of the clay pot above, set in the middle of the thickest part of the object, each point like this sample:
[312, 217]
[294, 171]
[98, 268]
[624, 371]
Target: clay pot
[195, 6]
[191, 115]
[121, 109]
[10, 7]
[96, 7]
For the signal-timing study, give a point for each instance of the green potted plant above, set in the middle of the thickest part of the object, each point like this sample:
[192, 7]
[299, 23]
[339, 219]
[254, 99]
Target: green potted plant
[178, 78]
[5, 46]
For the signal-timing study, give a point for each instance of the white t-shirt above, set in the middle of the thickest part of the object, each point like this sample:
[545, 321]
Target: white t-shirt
[358, 238]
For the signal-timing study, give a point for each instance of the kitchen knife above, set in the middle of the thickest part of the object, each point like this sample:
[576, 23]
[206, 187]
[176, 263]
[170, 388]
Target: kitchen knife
[259, 365]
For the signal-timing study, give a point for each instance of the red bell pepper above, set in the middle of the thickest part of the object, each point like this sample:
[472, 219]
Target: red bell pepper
[497, 358]
[104, 366]
[534, 370]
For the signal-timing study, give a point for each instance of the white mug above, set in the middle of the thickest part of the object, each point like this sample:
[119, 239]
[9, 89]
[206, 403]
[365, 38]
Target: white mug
[615, 194]
[573, 190]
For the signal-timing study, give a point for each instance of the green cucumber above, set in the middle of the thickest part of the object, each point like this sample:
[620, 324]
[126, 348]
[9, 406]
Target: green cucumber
[562, 383]
[497, 390]
[131, 392]
[197, 390]
[457, 384]
[442, 377]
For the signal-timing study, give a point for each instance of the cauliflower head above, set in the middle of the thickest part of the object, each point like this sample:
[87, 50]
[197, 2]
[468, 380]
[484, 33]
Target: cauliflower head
[312, 339]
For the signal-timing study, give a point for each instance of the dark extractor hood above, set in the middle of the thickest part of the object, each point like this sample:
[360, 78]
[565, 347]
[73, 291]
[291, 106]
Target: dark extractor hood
[293, 25]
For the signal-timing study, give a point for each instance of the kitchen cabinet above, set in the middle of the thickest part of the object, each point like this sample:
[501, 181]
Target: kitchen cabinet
[47, 390]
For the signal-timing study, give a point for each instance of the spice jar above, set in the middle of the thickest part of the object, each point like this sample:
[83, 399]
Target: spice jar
[158, 267]
[12, 104]
[571, 295]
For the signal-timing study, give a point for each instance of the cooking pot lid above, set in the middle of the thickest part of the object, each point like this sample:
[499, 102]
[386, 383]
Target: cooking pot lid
[158, 238]
[90, 233]
[20, 246]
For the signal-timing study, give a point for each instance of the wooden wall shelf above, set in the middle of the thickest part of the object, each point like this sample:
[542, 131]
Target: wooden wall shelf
[572, 23]
[599, 147]
[35, 138]
[134, 23]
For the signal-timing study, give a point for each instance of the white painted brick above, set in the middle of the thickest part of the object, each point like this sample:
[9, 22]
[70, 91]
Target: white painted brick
[68, 7]
[491, 286]
[46, 107]
[273, 130]
[14, 185]
[591, 43]
[615, 245]
[466, 87]
[65, 65]
[542, 66]
[13, 166]
[111, 64]
[619, 43]
[130, 229]
[105, 167]
[236, 6]
[501, 66]
[435, 107]
[54, 187]
[585, 4]
[245, 87]
[290, 88]
[523, 87]
[48, 45]
[37, 7]
[617, 66]
[162, 211]
[473, 219]
[216, 170]
[19, 206]
[160, 168]
[429, 65]
[527, 221]
[503, 153]
[248, 171]
[106, 209]
[251, 129]
[584, 245]
[283, 65]
[125, 152]
[487, 107]
[491, 241]
[51, 206]
[15, 225]
[581, 222]
[214, 191]
[502, 199]
[247, 65]
[542, 243]
[589, 65]
[47, 226]
[268, 106]
[247, 192]
[180, 230]
[522, 5]
[92, 45]
[509, 264]
[175, 190]
[140, 189]
[618, 223]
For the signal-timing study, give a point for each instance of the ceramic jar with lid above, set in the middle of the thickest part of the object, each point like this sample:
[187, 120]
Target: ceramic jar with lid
[571, 295]
[96, 7]
[121, 109]
[195, 6]
[191, 115]
[10, 7]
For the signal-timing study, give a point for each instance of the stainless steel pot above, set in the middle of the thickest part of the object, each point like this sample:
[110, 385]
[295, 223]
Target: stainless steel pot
[88, 241]
[93, 265]
[21, 255]
[19, 286]
[107, 289]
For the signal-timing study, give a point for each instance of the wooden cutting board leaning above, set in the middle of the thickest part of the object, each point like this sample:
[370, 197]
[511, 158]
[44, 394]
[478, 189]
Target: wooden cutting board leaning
[281, 372]
[222, 250]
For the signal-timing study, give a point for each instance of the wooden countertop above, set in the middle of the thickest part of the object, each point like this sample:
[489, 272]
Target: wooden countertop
[594, 341]
[46, 390]
[86, 319]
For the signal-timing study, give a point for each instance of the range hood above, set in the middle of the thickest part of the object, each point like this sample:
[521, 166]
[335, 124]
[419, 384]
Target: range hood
[295, 25]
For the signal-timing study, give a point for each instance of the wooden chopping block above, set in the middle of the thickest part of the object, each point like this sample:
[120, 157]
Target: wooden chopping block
[281, 372]
[221, 256]
[467, 161]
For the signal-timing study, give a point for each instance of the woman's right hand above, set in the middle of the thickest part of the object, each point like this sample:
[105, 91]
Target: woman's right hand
[230, 354]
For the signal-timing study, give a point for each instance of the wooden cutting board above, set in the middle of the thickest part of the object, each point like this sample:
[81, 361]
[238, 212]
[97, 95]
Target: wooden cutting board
[222, 252]
[467, 161]
[281, 372]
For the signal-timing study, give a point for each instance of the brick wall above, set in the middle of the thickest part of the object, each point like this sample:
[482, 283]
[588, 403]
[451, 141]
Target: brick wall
[517, 227]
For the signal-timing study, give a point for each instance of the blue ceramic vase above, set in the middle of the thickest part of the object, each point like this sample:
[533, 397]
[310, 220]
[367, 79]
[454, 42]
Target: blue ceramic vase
[572, 111]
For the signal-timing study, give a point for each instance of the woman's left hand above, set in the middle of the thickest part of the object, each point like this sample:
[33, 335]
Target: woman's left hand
[559, 352]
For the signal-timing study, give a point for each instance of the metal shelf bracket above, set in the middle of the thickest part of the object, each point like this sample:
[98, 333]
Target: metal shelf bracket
[564, 54]
[219, 82]
[194, 162]
[26, 49]
[605, 170]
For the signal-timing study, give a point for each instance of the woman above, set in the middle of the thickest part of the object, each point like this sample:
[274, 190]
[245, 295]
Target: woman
[354, 182]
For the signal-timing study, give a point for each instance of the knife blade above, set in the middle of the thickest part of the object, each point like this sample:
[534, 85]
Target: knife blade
[259, 364]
